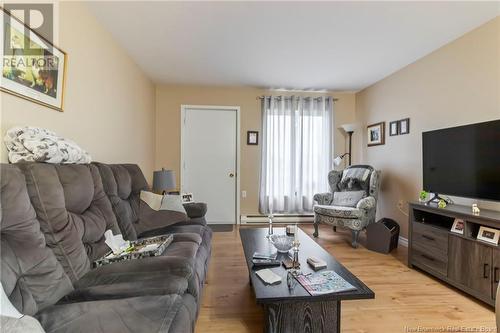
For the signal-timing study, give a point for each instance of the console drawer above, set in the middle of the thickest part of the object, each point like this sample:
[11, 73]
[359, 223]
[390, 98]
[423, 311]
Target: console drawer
[430, 240]
[429, 261]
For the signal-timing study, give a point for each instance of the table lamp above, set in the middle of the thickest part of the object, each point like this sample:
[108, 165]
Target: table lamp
[163, 181]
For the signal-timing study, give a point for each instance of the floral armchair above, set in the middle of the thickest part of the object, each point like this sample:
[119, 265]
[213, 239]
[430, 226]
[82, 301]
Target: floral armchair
[352, 202]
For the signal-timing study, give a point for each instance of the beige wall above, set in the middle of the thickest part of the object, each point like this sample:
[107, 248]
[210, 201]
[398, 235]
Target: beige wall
[169, 99]
[455, 85]
[109, 102]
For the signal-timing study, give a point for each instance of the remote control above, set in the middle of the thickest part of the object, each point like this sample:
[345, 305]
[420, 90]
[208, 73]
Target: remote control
[265, 262]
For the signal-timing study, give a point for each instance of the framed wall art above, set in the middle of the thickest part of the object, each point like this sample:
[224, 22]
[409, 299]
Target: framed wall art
[376, 134]
[32, 67]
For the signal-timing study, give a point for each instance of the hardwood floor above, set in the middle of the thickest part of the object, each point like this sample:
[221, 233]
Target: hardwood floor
[404, 298]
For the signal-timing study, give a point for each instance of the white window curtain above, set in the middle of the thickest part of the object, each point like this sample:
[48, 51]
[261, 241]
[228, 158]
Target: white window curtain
[296, 152]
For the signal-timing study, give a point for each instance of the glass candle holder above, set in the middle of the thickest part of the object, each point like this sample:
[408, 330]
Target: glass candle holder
[270, 230]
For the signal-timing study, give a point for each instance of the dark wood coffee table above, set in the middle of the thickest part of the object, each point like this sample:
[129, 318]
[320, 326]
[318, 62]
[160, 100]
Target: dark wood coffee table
[295, 310]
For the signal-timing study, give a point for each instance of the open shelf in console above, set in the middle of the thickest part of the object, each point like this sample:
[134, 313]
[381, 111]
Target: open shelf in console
[436, 220]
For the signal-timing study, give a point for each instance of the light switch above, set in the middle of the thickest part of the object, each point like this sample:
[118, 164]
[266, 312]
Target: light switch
[243, 194]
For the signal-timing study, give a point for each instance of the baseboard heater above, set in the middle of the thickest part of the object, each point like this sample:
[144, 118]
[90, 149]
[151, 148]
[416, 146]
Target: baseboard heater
[278, 218]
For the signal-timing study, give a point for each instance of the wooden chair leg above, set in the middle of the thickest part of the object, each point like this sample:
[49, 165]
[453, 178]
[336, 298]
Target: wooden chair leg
[355, 235]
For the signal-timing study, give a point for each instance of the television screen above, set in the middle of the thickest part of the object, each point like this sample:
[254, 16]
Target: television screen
[463, 161]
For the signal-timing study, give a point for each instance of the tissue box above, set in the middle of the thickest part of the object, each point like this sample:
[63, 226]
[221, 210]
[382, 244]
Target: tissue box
[147, 247]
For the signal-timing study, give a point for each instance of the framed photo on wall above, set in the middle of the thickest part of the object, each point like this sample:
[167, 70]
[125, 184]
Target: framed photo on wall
[252, 138]
[404, 126]
[376, 134]
[394, 128]
[33, 68]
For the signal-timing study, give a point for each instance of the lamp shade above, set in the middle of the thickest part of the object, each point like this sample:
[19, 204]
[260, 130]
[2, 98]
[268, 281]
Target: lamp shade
[349, 127]
[337, 160]
[163, 180]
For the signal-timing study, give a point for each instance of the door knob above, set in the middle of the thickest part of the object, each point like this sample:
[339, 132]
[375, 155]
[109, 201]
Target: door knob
[231, 175]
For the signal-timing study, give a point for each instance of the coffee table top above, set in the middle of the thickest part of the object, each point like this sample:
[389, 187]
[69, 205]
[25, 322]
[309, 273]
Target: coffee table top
[254, 240]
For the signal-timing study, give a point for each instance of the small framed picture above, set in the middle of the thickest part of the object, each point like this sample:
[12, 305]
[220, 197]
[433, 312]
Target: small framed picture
[489, 235]
[252, 138]
[376, 134]
[404, 126]
[187, 197]
[458, 226]
[394, 128]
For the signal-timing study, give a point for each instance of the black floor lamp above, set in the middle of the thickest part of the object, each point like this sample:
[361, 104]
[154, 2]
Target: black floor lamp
[349, 129]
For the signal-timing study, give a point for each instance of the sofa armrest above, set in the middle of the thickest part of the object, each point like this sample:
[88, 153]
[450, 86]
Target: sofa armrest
[323, 198]
[195, 209]
[366, 203]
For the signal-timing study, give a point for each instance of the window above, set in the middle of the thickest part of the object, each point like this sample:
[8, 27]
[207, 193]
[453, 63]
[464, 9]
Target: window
[296, 152]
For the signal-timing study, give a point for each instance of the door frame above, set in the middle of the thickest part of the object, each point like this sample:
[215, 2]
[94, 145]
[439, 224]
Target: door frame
[184, 108]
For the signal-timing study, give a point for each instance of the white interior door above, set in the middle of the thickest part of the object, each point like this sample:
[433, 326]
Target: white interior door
[209, 160]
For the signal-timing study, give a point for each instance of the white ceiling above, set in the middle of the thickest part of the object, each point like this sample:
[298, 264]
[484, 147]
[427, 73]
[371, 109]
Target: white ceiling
[342, 46]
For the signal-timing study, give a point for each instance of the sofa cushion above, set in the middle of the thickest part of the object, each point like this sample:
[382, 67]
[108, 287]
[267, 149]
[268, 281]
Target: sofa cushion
[166, 313]
[30, 273]
[73, 211]
[123, 184]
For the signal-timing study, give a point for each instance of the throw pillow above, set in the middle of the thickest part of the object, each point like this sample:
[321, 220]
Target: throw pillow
[348, 199]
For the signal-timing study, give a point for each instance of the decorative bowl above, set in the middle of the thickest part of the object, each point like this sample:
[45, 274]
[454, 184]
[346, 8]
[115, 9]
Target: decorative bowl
[282, 243]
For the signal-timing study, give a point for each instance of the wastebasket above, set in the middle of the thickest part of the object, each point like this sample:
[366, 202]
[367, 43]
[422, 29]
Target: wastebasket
[382, 236]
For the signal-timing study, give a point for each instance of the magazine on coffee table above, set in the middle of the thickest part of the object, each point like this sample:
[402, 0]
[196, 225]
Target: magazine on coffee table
[146, 247]
[326, 282]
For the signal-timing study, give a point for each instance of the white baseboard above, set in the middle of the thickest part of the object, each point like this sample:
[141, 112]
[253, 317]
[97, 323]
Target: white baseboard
[263, 219]
[403, 241]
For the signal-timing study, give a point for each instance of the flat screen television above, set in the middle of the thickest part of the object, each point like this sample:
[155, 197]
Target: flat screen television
[463, 161]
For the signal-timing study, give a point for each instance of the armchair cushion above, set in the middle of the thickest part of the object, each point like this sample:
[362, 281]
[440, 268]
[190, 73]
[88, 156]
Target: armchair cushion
[347, 199]
[339, 211]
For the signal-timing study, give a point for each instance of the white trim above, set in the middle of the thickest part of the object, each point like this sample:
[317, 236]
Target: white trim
[403, 241]
[263, 219]
[184, 107]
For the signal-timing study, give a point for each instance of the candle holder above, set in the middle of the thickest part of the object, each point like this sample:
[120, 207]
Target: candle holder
[295, 258]
[270, 231]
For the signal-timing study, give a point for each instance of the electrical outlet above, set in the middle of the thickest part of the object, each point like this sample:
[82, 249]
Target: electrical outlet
[243, 194]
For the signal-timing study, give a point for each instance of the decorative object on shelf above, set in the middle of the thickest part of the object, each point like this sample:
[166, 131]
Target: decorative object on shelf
[33, 68]
[282, 243]
[442, 203]
[394, 128]
[489, 235]
[475, 209]
[458, 226]
[349, 129]
[376, 134]
[252, 138]
[404, 126]
[187, 197]
[270, 228]
[422, 197]
[163, 181]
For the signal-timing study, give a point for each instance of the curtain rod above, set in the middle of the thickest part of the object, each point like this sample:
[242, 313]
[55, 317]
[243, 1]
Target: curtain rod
[288, 97]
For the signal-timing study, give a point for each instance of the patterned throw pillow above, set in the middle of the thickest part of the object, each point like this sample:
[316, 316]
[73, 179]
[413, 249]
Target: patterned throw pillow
[348, 199]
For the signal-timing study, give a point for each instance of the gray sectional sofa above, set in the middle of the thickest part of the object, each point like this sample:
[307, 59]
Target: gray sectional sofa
[52, 229]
